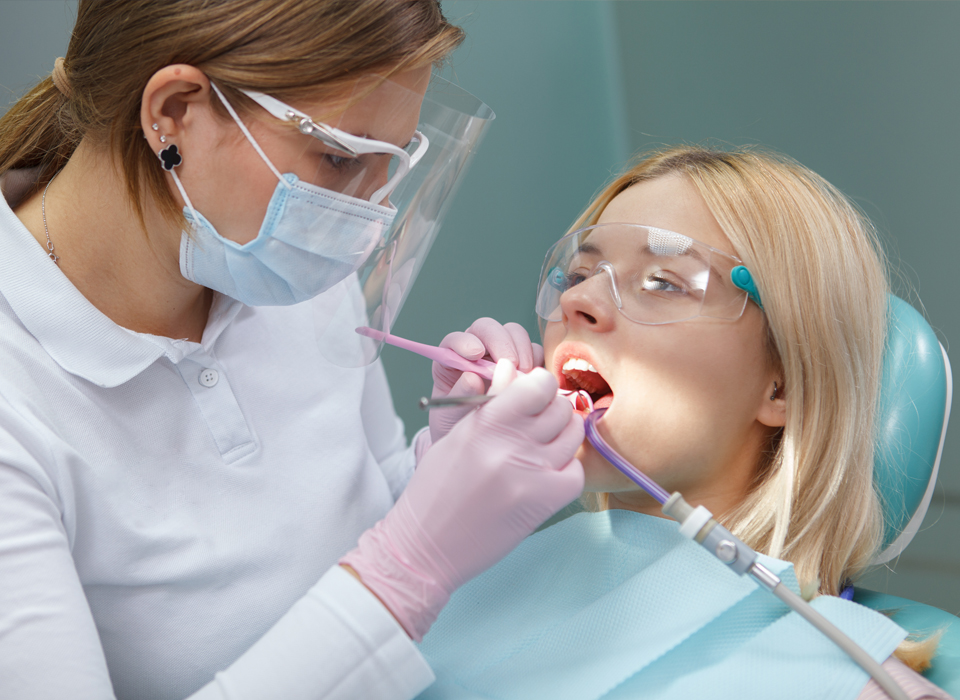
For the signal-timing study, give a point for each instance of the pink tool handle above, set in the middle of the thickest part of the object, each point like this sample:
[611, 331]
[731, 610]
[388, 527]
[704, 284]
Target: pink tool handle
[445, 356]
[448, 358]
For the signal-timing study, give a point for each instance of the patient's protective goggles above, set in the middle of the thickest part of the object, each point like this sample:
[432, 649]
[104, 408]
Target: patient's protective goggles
[357, 153]
[655, 276]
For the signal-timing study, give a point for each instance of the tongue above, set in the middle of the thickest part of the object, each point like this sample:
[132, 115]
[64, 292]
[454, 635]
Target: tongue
[603, 401]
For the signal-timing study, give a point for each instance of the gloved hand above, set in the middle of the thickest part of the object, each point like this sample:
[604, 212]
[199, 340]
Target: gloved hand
[499, 474]
[484, 338]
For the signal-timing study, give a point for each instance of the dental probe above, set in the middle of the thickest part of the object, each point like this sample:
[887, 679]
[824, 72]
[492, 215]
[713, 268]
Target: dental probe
[479, 399]
[699, 525]
[443, 401]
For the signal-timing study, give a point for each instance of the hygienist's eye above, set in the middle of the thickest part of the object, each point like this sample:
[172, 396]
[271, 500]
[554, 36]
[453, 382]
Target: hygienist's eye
[575, 277]
[340, 163]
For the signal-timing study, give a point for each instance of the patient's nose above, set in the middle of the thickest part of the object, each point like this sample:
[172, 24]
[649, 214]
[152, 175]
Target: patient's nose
[590, 303]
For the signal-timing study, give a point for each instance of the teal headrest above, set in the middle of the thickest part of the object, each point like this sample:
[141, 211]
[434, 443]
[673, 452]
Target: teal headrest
[914, 408]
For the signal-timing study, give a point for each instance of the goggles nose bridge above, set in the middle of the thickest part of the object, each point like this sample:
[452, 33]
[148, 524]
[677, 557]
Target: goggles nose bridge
[605, 266]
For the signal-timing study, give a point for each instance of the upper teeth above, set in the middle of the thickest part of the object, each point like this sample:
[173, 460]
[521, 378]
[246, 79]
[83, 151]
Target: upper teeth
[578, 363]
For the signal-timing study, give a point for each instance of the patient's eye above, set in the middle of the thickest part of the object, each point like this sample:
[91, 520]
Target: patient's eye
[563, 280]
[664, 281]
[656, 283]
[576, 277]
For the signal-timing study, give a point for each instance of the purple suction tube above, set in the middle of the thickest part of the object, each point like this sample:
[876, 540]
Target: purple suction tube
[611, 455]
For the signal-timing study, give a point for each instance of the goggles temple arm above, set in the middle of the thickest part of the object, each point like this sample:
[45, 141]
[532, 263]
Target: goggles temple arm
[322, 133]
[742, 279]
[305, 124]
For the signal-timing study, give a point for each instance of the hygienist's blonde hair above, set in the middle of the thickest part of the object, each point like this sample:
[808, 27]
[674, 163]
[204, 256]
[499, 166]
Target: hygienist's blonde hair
[822, 279]
[291, 49]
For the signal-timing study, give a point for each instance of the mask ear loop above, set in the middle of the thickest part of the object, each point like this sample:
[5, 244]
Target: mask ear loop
[246, 132]
[170, 158]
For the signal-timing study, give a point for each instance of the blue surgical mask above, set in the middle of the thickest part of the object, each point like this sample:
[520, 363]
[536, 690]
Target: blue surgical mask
[311, 238]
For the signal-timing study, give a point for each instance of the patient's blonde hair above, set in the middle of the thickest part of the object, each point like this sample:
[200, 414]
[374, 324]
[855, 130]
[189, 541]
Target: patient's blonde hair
[822, 279]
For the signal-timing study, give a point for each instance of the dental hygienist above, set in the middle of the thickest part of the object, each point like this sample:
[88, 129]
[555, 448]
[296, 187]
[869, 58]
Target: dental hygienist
[204, 489]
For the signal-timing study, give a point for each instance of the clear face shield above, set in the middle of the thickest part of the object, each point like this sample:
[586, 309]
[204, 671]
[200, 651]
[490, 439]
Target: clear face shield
[654, 276]
[417, 186]
[361, 190]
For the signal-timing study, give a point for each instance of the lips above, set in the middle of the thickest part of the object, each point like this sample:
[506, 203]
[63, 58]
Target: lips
[577, 371]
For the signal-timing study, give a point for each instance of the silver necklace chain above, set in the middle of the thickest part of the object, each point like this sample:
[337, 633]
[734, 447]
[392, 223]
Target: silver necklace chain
[43, 212]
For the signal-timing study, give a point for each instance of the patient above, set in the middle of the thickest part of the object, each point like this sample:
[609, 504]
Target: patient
[755, 400]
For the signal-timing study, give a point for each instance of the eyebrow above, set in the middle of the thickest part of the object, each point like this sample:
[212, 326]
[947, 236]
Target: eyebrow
[588, 248]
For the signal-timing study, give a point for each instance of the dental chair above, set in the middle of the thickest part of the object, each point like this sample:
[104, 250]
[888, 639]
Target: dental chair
[915, 396]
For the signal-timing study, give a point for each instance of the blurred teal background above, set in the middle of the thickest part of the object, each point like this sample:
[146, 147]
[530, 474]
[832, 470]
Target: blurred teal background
[865, 93]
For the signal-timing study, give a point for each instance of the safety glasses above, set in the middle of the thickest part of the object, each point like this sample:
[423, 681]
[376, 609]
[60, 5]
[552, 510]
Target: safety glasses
[654, 276]
[402, 160]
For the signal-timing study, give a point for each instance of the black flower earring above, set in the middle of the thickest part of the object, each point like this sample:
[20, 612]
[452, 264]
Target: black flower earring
[170, 157]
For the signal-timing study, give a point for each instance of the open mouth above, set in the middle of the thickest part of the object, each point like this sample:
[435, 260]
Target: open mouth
[577, 374]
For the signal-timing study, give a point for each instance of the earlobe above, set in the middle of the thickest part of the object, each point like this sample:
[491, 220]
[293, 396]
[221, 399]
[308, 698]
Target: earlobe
[773, 408]
[167, 100]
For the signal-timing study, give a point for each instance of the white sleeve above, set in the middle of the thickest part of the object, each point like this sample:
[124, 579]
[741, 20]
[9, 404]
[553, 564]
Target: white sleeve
[338, 642]
[384, 431]
[49, 645]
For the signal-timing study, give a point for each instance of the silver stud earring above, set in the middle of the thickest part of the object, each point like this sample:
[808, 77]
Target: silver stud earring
[155, 126]
[163, 139]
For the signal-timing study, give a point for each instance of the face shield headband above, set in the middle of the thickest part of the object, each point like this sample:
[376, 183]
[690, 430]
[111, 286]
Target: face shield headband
[453, 122]
[654, 276]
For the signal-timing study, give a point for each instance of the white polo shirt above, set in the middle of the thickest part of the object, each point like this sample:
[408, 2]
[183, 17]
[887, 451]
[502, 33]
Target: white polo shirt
[170, 510]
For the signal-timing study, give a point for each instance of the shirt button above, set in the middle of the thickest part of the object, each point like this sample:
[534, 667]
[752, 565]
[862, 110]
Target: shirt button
[209, 377]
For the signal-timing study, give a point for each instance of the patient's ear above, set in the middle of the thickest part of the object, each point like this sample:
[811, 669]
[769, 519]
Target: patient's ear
[773, 406]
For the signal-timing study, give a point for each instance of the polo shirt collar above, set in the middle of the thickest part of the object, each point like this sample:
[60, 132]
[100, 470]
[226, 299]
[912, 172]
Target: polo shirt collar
[77, 335]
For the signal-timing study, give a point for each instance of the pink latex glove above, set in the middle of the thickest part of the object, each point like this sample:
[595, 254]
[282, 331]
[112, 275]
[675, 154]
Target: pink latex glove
[499, 474]
[484, 338]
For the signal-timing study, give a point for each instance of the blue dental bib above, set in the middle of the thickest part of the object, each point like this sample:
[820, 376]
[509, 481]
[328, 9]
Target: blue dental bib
[619, 605]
